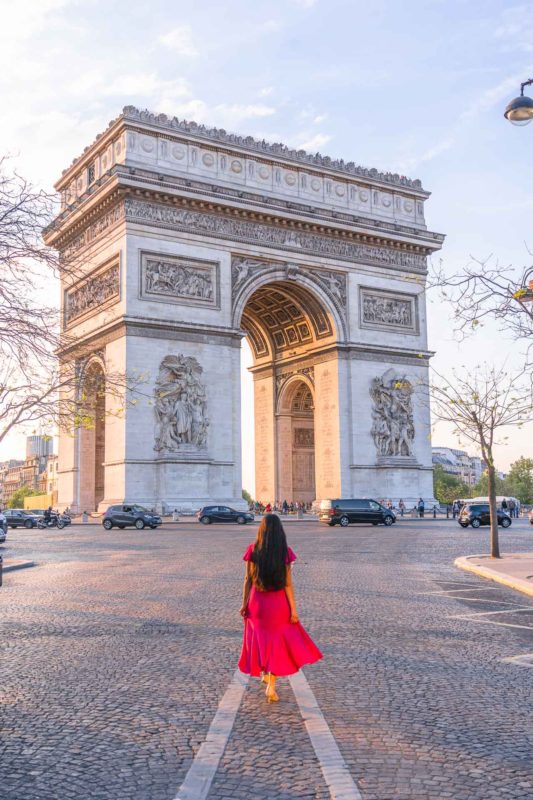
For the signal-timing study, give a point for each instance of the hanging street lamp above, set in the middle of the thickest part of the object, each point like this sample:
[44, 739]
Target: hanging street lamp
[520, 110]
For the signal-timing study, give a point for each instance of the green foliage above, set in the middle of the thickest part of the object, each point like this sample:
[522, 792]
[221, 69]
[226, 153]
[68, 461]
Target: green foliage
[520, 480]
[447, 487]
[247, 496]
[17, 498]
[481, 489]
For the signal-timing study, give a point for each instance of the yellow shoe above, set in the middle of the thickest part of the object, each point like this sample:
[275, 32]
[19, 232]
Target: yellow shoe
[271, 694]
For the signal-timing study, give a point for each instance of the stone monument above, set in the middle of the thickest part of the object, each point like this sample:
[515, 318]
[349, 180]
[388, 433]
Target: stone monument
[187, 239]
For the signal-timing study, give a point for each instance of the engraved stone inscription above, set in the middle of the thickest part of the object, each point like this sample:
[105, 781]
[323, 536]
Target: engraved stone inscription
[91, 295]
[393, 427]
[389, 311]
[172, 278]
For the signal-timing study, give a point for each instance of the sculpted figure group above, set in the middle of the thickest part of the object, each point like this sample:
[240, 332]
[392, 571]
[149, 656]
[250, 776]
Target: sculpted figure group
[393, 427]
[387, 311]
[171, 279]
[180, 405]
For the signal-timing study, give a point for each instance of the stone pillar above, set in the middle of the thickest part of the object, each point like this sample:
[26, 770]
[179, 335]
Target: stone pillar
[327, 431]
[265, 438]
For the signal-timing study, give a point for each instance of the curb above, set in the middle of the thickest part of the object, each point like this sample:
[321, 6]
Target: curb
[18, 565]
[518, 584]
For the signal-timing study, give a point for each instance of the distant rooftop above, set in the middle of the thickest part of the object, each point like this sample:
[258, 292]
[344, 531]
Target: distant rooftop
[271, 149]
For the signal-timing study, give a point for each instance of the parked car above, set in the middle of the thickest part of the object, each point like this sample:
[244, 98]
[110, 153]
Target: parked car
[130, 515]
[476, 514]
[344, 512]
[3, 527]
[209, 514]
[37, 512]
[19, 518]
[531, 516]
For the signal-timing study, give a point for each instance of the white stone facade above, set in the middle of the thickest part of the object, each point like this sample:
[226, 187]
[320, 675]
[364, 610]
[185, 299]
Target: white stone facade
[186, 239]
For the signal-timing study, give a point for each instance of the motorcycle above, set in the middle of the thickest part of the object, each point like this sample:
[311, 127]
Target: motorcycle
[55, 521]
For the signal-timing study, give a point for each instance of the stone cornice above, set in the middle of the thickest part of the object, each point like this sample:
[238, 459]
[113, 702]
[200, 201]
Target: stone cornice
[217, 136]
[161, 184]
[338, 241]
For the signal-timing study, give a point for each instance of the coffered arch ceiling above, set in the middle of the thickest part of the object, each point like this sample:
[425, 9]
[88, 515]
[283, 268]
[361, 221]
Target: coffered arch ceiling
[281, 317]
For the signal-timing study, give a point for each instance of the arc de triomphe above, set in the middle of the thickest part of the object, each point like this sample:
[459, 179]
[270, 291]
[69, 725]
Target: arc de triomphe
[186, 240]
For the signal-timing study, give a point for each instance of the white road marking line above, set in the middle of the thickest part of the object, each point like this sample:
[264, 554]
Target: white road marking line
[491, 622]
[482, 600]
[488, 613]
[450, 591]
[202, 770]
[525, 660]
[334, 769]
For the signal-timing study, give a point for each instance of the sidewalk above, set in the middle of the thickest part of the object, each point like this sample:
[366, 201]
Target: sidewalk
[512, 569]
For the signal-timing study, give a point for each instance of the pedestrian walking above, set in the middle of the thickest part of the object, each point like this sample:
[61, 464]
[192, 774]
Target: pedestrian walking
[421, 507]
[274, 643]
[401, 506]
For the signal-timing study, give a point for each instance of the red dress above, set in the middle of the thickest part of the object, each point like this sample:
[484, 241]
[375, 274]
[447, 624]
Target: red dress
[271, 643]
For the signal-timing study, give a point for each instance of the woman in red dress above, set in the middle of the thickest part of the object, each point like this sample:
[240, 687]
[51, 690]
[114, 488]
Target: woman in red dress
[274, 642]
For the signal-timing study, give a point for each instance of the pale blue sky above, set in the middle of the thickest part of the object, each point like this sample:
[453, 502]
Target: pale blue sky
[416, 87]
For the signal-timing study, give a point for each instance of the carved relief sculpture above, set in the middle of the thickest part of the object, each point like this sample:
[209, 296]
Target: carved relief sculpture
[304, 437]
[180, 406]
[384, 310]
[167, 277]
[393, 427]
[91, 295]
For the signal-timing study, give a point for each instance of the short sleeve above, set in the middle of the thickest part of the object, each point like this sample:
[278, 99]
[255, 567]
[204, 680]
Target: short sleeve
[248, 555]
[291, 556]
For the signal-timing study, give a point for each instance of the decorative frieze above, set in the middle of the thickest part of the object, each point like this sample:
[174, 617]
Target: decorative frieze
[94, 231]
[173, 279]
[99, 291]
[393, 427]
[388, 310]
[226, 227]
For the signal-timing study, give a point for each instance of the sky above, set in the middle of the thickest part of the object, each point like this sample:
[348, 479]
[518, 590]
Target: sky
[416, 87]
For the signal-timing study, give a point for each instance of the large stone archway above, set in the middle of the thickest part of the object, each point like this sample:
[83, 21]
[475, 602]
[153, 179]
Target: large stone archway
[187, 239]
[289, 326]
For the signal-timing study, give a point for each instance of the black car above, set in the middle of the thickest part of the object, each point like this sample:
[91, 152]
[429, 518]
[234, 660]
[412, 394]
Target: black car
[209, 514]
[126, 515]
[3, 528]
[343, 512]
[476, 514]
[18, 518]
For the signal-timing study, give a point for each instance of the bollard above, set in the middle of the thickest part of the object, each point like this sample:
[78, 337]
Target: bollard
[1, 568]
[175, 516]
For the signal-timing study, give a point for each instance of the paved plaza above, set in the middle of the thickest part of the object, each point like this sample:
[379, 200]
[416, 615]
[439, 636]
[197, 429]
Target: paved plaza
[118, 648]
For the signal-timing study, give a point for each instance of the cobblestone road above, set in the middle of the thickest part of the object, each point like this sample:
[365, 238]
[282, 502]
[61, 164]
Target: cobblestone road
[117, 648]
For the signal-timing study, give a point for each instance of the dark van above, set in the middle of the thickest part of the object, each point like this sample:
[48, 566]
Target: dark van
[344, 512]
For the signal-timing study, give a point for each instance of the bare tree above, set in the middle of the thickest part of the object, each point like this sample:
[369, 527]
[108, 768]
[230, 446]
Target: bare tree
[31, 377]
[482, 291]
[480, 404]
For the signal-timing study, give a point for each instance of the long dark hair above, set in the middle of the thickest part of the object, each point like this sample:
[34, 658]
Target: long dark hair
[269, 556]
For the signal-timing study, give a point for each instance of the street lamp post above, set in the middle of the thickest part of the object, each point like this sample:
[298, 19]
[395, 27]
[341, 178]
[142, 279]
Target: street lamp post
[520, 110]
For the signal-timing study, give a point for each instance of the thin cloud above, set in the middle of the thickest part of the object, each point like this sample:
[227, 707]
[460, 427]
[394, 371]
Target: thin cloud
[305, 3]
[180, 41]
[315, 142]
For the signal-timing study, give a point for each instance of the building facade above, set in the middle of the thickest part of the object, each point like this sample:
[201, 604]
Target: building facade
[184, 241]
[467, 468]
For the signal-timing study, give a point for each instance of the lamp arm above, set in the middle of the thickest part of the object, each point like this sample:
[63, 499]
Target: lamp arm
[523, 85]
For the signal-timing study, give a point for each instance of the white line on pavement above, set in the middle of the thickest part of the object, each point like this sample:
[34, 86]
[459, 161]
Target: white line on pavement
[469, 618]
[454, 591]
[525, 660]
[334, 769]
[489, 613]
[202, 770]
